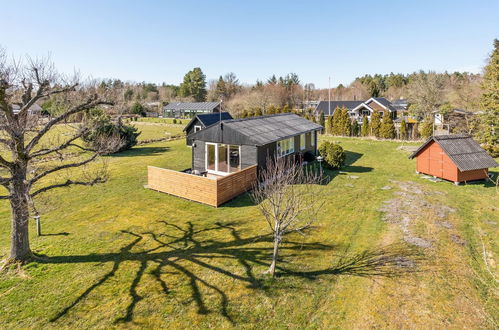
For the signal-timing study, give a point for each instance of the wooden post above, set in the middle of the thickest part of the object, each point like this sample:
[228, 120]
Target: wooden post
[38, 225]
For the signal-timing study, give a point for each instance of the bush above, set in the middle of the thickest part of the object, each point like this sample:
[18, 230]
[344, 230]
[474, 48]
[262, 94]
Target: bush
[138, 109]
[101, 128]
[426, 128]
[174, 120]
[333, 154]
[308, 157]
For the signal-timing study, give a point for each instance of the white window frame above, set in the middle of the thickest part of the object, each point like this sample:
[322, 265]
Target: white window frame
[303, 142]
[197, 128]
[216, 171]
[312, 138]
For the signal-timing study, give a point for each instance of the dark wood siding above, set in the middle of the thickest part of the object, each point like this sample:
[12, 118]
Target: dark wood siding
[190, 130]
[264, 152]
[198, 155]
[248, 156]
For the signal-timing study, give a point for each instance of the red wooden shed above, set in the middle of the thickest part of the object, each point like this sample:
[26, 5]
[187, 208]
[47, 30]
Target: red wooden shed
[455, 158]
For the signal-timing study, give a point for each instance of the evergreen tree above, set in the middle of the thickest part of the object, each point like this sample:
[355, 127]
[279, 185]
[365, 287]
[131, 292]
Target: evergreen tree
[426, 128]
[337, 122]
[221, 89]
[322, 121]
[194, 85]
[354, 128]
[364, 131]
[375, 123]
[345, 122]
[415, 131]
[403, 130]
[329, 126]
[488, 132]
[387, 130]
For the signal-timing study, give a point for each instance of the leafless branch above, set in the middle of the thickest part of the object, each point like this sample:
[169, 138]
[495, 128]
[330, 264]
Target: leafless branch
[62, 167]
[69, 183]
[90, 103]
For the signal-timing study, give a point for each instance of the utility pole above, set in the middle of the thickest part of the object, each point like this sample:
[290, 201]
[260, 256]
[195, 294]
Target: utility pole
[329, 97]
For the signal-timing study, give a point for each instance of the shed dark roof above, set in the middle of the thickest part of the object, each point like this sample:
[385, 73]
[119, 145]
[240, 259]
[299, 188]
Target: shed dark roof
[462, 150]
[323, 106]
[192, 106]
[257, 130]
[207, 119]
[385, 102]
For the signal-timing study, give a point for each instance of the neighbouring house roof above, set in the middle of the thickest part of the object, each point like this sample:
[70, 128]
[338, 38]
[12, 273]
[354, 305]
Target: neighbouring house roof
[207, 119]
[34, 108]
[191, 106]
[458, 111]
[466, 154]
[323, 106]
[382, 101]
[257, 130]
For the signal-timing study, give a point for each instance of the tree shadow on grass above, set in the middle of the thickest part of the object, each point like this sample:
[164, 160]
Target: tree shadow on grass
[179, 245]
[140, 151]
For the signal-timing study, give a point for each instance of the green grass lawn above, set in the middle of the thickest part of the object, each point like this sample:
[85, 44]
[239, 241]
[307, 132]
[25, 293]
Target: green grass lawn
[119, 255]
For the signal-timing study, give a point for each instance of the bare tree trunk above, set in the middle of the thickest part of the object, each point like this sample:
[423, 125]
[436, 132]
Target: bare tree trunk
[275, 253]
[19, 249]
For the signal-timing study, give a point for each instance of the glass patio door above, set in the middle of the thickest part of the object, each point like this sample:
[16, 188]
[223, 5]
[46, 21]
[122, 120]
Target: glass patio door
[222, 159]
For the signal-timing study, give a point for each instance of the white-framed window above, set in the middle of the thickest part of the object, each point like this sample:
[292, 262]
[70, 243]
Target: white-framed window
[222, 158]
[302, 141]
[312, 138]
[285, 147]
[197, 128]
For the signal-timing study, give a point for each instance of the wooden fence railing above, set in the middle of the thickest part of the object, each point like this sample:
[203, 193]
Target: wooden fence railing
[211, 191]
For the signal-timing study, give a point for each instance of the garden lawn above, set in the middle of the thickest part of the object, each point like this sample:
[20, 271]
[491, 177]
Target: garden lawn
[119, 255]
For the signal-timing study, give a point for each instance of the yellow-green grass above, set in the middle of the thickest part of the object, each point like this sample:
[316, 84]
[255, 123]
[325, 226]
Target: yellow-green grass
[118, 255]
[153, 131]
[164, 120]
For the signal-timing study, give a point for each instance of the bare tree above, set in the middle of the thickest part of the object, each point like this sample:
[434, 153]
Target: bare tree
[27, 142]
[426, 91]
[290, 198]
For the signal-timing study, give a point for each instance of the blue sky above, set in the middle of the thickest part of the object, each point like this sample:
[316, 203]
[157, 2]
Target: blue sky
[158, 41]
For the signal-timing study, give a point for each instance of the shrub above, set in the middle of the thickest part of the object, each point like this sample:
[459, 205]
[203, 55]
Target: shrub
[403, 130]
[174, 120]
[387, 130]
[333, 154]
[138, 109]
[101, 128]
[426, 129]
[308, 157]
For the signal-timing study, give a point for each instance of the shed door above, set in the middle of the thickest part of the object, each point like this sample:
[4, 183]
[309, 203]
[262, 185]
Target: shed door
[436, 160]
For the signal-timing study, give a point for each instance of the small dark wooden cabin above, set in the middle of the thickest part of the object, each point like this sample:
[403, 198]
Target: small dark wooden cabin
[232, 145]
[202, 121]
[456, 158]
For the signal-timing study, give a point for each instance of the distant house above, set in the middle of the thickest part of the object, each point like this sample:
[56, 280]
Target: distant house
[189, 109]
[202, 121]
[456, 158]
[229, 146]
[35, 109]
[358, 109]
[455, 120]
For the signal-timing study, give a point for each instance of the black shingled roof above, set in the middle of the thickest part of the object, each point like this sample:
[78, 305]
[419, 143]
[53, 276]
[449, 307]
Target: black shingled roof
[324, 107]
[208, 119]
[263, 130]
[385, 102]
[191, 106]
[462, 150]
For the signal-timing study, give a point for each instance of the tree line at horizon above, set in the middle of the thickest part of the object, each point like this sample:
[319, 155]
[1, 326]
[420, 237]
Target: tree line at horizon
[426, 92]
